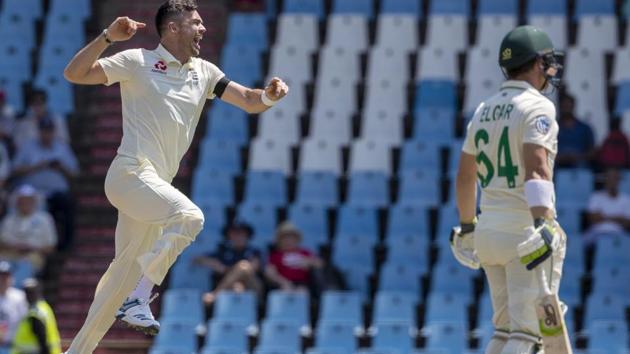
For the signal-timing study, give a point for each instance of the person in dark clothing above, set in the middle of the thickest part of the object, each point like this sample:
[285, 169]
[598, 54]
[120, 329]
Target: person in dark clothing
[576, 142]
[235, 263]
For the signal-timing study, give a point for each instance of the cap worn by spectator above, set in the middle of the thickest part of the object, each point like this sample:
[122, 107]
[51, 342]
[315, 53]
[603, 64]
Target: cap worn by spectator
[5, 267]
[287, 229]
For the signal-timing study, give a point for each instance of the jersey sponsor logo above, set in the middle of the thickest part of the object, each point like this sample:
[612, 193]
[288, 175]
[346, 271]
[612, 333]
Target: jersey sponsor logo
[542, 124]
[160, 67]
[506, 54]
[195, 76]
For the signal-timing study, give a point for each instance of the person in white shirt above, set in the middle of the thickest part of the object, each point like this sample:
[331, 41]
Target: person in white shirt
[28, 232]
[608, 209]
[163, 93]
[13, 307]
[26, 127]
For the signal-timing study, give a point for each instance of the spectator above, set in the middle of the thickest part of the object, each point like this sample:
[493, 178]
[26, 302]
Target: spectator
[7, 119]
[26, 128]
[608, 209]
[290, 264]
[37, 332]
[576, 142]
[615, 150]
[235, 263]
[13, 307]
[48, 164]
[28, 232]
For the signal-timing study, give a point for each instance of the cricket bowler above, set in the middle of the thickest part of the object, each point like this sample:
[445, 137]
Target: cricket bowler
[163, 93]
[509, 149]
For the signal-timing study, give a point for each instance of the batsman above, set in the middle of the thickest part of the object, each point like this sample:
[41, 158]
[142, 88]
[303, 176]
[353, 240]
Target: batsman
[509, 150]
[163, 92]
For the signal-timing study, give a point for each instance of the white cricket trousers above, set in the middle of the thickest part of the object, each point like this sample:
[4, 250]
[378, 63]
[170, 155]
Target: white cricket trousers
[156, 222]
[513, 289]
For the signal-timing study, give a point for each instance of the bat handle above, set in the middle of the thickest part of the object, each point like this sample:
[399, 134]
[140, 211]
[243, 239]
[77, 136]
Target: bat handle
[542, 278]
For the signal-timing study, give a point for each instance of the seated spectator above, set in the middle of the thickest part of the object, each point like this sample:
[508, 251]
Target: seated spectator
[290, 265]
[28, 232]
[235, 263]
[48, 164]
[26, 128]
[576, 142]
[7, 120]
[608, 209]
[13, 307]
[615, 150]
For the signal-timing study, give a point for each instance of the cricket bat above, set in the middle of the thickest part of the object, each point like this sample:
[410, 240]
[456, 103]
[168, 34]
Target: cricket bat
[551, 320]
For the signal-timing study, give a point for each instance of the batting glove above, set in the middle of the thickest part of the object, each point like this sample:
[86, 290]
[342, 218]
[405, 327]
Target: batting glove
[542, 240]
[462, 245]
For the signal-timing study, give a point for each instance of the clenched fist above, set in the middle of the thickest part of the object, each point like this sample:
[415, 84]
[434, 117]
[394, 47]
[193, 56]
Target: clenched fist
[276, 89]
[123, 28]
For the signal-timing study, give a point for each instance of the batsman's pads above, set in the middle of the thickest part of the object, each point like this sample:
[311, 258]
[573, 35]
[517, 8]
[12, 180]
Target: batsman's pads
[462, 246]
[542, 240]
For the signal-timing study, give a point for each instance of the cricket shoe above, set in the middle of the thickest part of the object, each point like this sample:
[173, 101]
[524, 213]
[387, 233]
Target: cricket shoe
[136, 314]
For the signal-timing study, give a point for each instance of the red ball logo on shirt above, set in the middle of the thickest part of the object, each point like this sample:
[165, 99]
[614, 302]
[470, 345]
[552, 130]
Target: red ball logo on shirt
[160, 65]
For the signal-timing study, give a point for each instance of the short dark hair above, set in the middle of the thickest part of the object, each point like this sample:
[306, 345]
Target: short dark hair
[170, 9]
[512, 73]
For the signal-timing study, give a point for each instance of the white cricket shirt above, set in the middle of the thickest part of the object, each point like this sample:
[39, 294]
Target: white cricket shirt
[162, 100]
[516, 115]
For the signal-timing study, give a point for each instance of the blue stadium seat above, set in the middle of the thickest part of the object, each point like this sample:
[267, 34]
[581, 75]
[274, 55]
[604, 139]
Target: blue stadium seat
[185, 275]
[182, 304]
[22, 270]
[341, 306]
[16, 59]
[570, 286]
[66, 25]
[484, 313]
[351, 249]
[570, 219]
[573, 187]
[447, 218]
[268, 187]
[613, 279]
[436, 94]
[358, 221]
[339, 335]
[434, 124]
[227, 335]
[263, 218]
[498, 7]
[18, 27]
[547, 7]
[605, 307]
[420, 187]
[401, 276]
[241, 57]
[380, 351]
[80, 8]
[447, 335]
[446, 307]
[280, 336]
[327, 351]
[226, 122]
[60, 92]
[624, 184]
[411, 249]
[451, 278]
[622, 104]
[407, 220]
[590, 7]
[289, 306]
[248, 29]
[354, 7]
[574, 255]
[11, 84]
[211, 186]
[214, 216]
[397, 336]
[611, 251]
[238, 307]
[608, 336]
[177, 333]
[368, 189]
[394, 307]
[29, 9]
[402, 7]
[313, 7]
[169, 350]
[274, 350]
[357, 277]
[450, 7]
[317, 188]
[312, 221]
[219, 350]
[223, 155]
[420, 154]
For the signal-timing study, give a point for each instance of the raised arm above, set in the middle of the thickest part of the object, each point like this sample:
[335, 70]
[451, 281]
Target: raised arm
[83, 68]
[251, 100]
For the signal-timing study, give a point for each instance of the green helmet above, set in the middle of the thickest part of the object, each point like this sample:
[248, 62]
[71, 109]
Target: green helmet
[523, 44]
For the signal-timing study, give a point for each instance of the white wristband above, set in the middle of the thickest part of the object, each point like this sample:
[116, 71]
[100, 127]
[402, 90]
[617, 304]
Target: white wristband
[539, 192]
[266, 100]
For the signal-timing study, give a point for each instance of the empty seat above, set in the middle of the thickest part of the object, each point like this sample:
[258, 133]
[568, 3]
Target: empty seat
[410, 249]
[263, 218]
[307, 7]
[611, 279]
[492, 28]
[436, 94]
[330, 125]
[498, 7]
[238, 307]
[288, 306]
[611, 251]
[573, 186]
[436, 63]
[64, 24]
[621, 66]
[483, 77]
[29, 9]
[623, 95]
[317, 188]
[241, 61]
[608, 336]
[223, 155]
[420, 154]
[177, 333]
[447, 335]
[338, 335]
[387, 62]
[400, 7]
[268, 187]
[448, 217]
[447, 31]
[420, 187]
[382, 126]
[182, 304]
[451, 279]
[326, 351]
[397, 275]
[279, 337]
[80, 8]
[354, 7]
[227, 334]
[397, 31]
[291, 61]
[369, 189]
[358, 220]
[350, 250]
[598, 33]
[337, 61]
[434, 124]
[269, 155]
[319, 154]
[280, 125]
[357, 277]
[386, 96]
[59, 90]
[348, 31]
[312, 221]
[396, 336]
[407, 220]
[394, 307]
[248, 29]
[335, 93]
[604, 307]
[570, 219]
[554, 25]
[298, 30]
[547, 7]
[592, 8]
[368, 155]
[211, 186]
[185, 275]
[341, 306]
[226, 122]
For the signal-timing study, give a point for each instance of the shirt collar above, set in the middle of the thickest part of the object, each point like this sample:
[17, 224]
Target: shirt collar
[167, 56]
[517, 84]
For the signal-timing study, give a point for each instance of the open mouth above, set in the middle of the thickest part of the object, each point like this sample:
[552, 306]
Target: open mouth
[197, 42]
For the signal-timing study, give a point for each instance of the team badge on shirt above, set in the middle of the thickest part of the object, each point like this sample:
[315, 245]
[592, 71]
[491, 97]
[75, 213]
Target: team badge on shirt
[543, 124]
[195, 77]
